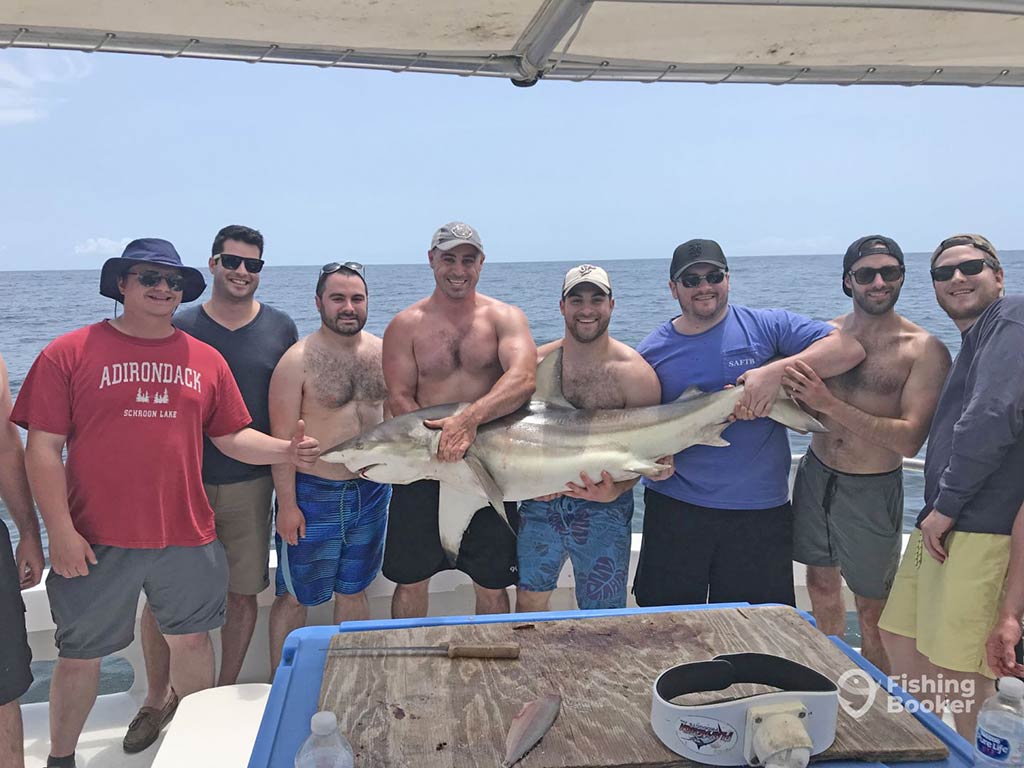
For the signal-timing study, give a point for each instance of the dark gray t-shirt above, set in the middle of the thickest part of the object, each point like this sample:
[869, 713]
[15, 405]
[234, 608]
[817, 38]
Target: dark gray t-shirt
[252, 353]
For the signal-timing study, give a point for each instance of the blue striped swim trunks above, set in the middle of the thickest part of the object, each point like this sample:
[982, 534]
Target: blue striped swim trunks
[344, 543]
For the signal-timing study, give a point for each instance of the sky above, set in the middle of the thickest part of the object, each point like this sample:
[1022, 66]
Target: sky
[98, 149]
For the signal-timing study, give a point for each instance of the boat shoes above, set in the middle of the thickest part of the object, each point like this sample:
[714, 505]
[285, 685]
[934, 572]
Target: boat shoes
[147, 725]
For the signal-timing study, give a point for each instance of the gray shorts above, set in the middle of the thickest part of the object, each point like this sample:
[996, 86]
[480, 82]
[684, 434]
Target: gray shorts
[95, 614]
[853, 521]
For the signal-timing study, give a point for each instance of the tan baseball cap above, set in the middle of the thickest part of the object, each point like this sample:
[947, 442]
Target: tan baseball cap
[586, 273]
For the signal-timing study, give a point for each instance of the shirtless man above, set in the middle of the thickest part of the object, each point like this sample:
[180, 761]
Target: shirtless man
[330, 523]
[848, 495]
[456, 345]
[589, 522]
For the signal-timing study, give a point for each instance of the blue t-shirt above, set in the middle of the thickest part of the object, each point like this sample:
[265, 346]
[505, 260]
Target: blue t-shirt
[753, 472]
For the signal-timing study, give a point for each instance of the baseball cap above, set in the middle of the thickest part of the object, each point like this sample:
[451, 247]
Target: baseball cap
[149, 250]
[979, 242]
[586, 273]
[696, 252]
[453, 234]
[868, 246]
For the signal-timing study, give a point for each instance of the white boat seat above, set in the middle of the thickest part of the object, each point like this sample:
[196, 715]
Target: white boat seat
[215, 728]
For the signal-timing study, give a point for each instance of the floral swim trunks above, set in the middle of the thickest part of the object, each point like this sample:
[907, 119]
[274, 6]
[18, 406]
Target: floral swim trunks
[594, 535]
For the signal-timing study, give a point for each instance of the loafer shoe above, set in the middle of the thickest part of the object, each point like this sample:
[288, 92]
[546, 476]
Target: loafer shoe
[148, 723]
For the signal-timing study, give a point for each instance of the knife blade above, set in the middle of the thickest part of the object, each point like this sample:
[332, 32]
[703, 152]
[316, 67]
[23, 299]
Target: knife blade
[451, 650]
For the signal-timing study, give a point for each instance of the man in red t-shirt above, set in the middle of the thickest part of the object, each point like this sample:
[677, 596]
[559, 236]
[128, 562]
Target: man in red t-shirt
[131, 398]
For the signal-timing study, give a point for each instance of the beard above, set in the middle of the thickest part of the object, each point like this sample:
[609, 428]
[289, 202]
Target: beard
[334, 324]
[590, 333]
[874, 308]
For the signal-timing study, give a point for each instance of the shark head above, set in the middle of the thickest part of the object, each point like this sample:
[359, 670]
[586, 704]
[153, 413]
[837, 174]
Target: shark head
[397, 451]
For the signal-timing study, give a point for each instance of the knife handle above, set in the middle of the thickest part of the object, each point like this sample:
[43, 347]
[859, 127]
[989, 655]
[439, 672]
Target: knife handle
[488, 651]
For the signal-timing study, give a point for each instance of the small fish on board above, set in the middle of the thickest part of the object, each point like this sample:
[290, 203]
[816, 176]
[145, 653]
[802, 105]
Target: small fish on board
[529, 727]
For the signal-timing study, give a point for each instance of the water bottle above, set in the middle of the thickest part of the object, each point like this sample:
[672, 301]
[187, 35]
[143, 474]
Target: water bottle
[325, 747]
[1000, 736]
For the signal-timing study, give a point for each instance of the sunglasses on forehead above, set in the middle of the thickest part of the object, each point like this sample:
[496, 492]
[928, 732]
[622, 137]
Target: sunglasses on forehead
[230, 261]
[336, 266]
[713, 277]
[967, 268]
[866, 275]
[149, 279]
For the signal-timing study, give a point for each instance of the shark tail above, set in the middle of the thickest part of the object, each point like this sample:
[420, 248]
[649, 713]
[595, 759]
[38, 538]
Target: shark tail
[788, 413]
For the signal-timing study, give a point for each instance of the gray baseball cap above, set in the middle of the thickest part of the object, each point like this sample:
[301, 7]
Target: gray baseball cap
[456, 233]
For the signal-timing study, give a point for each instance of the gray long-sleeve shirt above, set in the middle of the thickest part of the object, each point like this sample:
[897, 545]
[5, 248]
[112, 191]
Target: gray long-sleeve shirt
[974, 468]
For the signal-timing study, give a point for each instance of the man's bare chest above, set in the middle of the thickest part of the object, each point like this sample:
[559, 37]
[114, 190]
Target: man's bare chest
[592, 386]
[883, 372]
[443, 350]
[337, 380]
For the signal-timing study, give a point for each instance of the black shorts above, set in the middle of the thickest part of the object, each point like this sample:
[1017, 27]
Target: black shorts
[692, 555]
[413, 552]
[15, 656]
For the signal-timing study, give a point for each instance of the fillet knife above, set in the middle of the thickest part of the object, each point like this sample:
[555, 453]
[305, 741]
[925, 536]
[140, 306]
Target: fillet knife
[451, 650]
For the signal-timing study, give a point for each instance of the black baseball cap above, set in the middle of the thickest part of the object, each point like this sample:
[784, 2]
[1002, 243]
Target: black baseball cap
[696, 252]
[868, 246]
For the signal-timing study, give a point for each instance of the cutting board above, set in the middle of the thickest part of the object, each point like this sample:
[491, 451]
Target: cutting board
[431, 711]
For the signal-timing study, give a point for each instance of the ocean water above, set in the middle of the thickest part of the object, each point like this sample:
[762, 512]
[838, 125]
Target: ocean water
[41, 305]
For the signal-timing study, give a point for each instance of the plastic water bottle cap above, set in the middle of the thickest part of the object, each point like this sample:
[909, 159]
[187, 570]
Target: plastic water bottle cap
[1011, 687]
[323, 723]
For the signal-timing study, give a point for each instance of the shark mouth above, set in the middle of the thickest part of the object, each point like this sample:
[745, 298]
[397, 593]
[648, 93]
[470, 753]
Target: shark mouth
[362, 472]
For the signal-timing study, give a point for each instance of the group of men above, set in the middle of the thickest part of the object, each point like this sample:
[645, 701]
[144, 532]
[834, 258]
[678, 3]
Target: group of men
[188, 399]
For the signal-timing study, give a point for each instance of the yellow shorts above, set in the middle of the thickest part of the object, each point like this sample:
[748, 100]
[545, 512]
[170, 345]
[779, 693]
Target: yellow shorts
[950, 607]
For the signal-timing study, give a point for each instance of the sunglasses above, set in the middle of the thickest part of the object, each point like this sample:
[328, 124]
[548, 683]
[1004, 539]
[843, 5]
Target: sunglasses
[866, 275]
[692, 281]
[335, 266]
[229, 261]
[967, 268]
[149, 279]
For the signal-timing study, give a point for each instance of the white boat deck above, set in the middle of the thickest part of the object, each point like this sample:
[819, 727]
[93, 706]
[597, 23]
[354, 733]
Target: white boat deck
[201, 733]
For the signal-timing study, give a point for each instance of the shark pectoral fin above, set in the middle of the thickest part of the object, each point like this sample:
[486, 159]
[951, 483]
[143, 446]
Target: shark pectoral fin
[690, 393]
[489, 485]
[455, 510]
[549, 381]
[645, 468]
[787, 412]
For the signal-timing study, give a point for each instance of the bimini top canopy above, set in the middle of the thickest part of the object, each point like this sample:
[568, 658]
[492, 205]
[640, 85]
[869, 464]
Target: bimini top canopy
[907, 42]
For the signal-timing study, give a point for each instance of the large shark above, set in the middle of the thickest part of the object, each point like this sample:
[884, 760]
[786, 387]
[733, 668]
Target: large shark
[542, 446]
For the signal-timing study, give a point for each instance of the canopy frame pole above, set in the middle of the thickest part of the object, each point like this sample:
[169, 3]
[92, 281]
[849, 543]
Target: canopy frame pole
[542, 35]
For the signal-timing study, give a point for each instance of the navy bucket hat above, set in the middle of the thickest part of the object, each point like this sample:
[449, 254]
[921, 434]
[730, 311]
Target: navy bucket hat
[149, 250]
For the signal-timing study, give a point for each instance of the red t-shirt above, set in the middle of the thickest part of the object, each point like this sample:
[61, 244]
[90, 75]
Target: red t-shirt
[134, 412]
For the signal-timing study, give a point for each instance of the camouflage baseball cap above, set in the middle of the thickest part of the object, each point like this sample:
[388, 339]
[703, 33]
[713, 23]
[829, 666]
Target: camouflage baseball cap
[979, 242]
[456, 233]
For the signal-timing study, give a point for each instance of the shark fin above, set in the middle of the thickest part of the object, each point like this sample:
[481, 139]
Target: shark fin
[716, 441]
[645, 468]
[489, 485]
[455, 510]
[787, 412]
[549, 381]
[690, 393]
